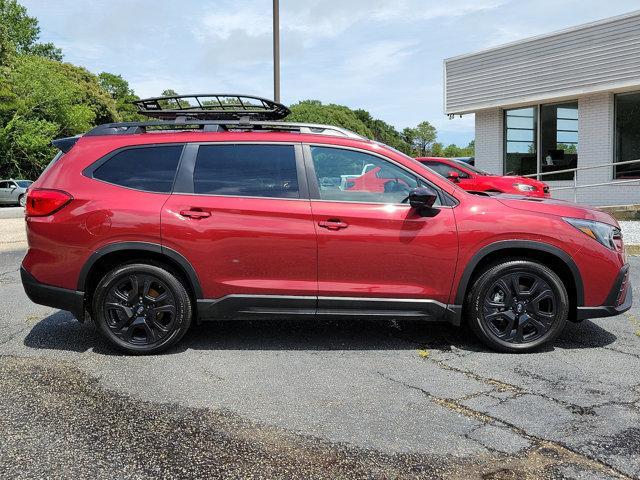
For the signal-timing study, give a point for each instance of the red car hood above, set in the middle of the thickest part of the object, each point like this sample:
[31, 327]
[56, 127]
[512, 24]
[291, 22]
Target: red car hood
[552, 206]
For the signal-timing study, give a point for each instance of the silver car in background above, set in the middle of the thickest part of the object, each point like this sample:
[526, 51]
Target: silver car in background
[14, 192]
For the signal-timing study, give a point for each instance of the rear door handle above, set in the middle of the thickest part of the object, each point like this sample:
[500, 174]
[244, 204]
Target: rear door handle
[333, 224]
[197, 214]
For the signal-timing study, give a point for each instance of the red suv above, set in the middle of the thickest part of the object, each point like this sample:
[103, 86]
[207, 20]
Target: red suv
[476, 180]
[148, 230]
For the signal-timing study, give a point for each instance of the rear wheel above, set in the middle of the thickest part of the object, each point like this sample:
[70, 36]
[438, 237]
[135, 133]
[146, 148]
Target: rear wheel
[141, 308]
[517, 306]
[22, 200]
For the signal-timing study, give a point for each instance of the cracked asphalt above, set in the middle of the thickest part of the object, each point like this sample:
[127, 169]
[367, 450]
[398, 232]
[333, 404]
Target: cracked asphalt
[300, 399]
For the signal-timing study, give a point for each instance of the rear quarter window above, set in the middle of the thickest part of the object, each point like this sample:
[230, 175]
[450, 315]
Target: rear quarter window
[149, 168]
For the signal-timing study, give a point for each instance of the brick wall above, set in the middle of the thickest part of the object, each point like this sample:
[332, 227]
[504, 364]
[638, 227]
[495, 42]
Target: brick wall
[489, 140]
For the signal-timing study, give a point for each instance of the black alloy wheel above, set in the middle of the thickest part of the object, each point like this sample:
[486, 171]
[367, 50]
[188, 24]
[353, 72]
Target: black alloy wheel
[141, 308]
[517, 306]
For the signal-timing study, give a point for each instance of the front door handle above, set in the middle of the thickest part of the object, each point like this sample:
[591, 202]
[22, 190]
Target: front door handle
[333, 224]
[196, 214]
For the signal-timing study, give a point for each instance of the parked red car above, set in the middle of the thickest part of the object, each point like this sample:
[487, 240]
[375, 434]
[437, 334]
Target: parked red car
[148, 230]
[473, 179]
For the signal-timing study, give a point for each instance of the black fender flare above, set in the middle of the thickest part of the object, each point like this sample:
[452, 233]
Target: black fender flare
[526, 245]
[141, 247]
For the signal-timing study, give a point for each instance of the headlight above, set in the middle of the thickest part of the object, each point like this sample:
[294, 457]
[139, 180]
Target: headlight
[524, 187]
[601, 232]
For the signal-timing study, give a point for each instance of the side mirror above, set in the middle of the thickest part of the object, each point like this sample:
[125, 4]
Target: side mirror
[422, 197]
[453, 176]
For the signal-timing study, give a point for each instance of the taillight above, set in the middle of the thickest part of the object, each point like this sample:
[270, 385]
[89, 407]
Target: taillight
[42, 202]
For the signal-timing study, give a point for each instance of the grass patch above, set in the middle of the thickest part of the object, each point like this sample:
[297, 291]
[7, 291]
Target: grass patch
[424, 353]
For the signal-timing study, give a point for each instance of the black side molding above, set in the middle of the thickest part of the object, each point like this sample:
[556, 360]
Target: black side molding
[56, 297]
[239, 307]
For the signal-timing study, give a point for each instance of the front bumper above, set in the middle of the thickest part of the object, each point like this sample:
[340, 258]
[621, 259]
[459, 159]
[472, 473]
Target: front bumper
[56, 297]
[618, 301]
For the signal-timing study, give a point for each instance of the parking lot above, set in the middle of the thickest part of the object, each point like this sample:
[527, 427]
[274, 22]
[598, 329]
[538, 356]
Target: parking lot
[328, 399]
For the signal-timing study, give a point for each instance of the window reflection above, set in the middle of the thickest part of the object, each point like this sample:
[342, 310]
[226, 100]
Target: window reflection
[559, 139]
[628, 134]
[520, 151]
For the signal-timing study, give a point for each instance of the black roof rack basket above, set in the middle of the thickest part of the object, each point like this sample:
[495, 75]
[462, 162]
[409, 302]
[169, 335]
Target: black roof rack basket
[211, 106]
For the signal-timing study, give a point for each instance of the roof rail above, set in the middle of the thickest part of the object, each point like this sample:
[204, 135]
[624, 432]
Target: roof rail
[211, 106]
[130, 128]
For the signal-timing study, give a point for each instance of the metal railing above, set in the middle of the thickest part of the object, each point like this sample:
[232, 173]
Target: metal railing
[575, 185]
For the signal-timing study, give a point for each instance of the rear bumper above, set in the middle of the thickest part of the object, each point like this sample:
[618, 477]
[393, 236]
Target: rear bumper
[618, 301]
[56, 297]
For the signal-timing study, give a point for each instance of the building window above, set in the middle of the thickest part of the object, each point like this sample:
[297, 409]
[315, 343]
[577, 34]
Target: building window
[557, 143]
[627, 134]
[558, 139]
[520, 139]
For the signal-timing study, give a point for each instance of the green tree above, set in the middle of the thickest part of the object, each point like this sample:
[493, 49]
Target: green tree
[383, 132]
[19, 33]
[41, 99]
[313, 111]
[437, 150]
[423, 136]
[122, 94]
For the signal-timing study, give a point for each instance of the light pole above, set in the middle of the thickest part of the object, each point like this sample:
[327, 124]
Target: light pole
[276, 50]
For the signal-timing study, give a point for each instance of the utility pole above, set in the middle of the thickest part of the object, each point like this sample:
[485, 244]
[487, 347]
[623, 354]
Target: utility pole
[276, 50]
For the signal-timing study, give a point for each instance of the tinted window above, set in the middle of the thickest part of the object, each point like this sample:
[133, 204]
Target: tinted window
[4, 184]
[23, 183]
[144, 168]
[246, 170]
[443, 169]
[520, 141]
[348, 175]
[628, 134]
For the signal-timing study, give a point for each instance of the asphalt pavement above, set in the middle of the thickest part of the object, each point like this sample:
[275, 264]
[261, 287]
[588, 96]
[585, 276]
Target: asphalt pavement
[312, 399]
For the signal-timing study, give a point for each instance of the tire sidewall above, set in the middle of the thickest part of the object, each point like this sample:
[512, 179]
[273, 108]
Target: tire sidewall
[182, 299]
[22, 200]
[485, 281]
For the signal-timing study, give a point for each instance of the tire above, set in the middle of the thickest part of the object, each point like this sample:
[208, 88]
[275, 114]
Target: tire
[141, 308]
[22, 200]
[517, 319]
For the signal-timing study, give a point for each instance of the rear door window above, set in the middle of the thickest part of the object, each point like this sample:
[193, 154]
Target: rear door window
[246, 170]
[149, 168]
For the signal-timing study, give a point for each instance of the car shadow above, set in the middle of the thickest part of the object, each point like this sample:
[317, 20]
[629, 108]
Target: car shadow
[60, 331]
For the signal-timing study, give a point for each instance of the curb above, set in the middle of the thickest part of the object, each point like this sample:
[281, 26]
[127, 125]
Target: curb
[12, 212]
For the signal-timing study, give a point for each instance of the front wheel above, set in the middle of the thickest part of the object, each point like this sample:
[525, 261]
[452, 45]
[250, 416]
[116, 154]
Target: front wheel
[22, 200]
[517, 306]
[141, 308]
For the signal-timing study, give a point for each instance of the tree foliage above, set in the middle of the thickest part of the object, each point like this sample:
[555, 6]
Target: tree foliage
[421, 137]
[43, 99]
[359, 121]
[19, 33]
[122, 94]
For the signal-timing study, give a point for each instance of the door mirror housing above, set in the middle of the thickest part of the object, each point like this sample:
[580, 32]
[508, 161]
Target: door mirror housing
[422, 197]
[453, 176]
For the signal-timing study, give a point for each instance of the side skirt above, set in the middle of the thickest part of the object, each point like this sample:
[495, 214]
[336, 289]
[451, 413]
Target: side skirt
[240, 307]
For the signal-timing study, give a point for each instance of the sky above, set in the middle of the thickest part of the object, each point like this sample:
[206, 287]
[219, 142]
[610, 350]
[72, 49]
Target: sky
[383, 56]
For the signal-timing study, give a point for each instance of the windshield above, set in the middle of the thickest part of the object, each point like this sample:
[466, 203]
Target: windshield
[23, 183]
[472, 168]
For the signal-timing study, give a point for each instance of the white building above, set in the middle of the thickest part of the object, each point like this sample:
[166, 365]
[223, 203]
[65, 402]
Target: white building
[557, 101]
